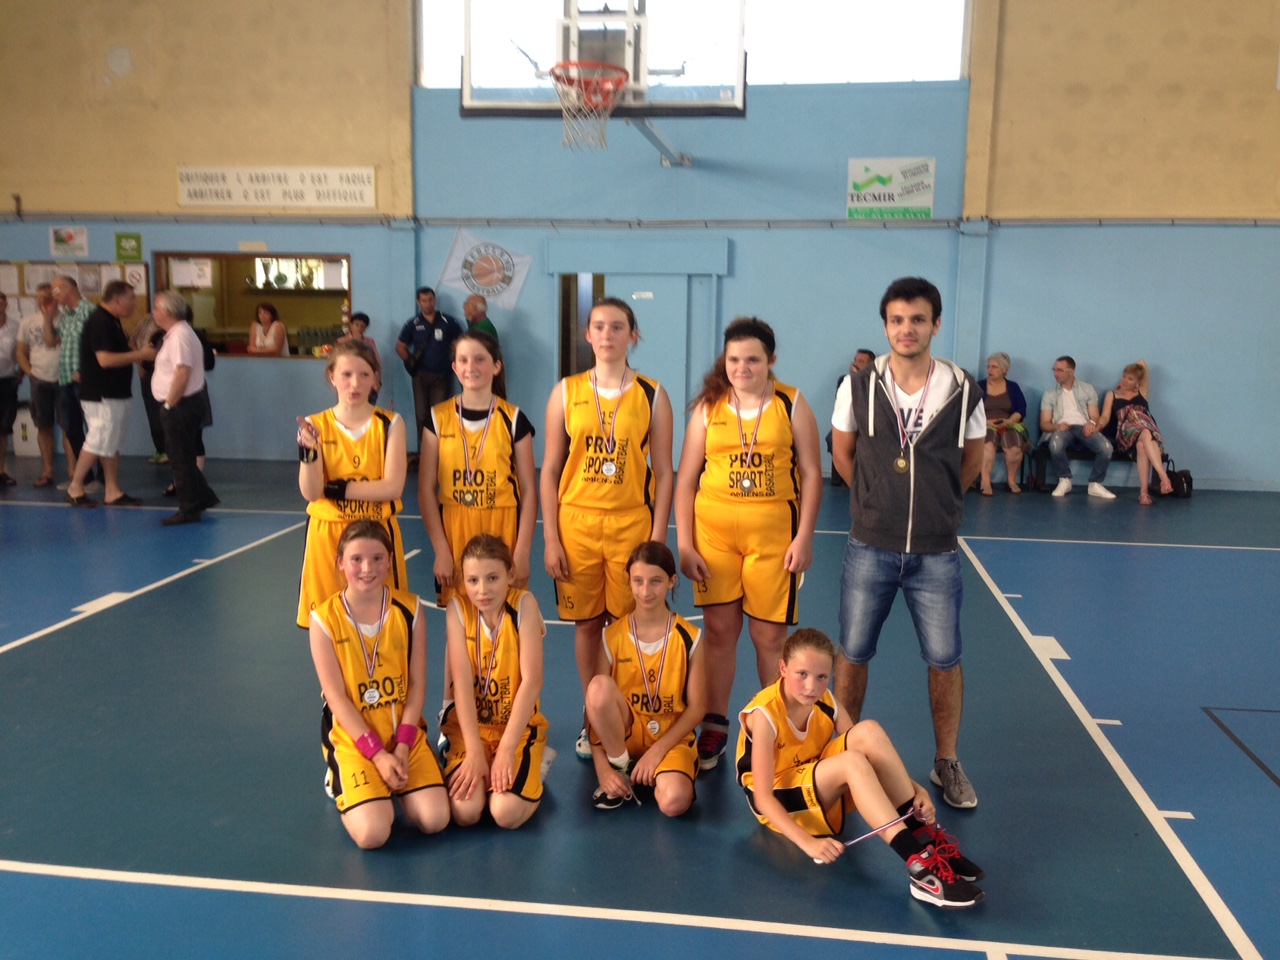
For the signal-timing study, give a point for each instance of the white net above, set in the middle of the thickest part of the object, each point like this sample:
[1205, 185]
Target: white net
[587, 92]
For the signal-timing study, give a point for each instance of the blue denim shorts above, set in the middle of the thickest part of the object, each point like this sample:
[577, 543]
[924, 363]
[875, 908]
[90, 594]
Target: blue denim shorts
[933, 588]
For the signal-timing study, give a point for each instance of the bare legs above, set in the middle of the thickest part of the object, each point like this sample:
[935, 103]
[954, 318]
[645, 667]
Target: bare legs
[873, 774]
[370, 823]
[946, 700]
[723, 625]
[1012, 463]
[1150, 458]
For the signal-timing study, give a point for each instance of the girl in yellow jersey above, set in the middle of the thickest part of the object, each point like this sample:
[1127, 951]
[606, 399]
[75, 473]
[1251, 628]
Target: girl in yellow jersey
[750, 482]
[496, 737]
[369, 645]
[477, 465]
[606, 481]
[352, 467]
[645, 703]
[803, 765]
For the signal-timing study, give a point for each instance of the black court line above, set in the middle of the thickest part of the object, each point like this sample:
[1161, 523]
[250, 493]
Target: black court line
[1212, 713]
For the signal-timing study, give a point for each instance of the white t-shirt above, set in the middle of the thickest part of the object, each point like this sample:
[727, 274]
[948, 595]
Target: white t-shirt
[9, 349]
[44, 360]
[941, 387]
[181, 348]
[1071, 412]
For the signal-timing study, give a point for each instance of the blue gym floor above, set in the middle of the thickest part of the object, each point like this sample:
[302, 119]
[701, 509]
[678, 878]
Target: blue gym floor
[160, 777]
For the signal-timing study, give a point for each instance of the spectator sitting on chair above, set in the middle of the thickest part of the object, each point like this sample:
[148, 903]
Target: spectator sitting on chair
[1006, 410]
[1128, 423]
[1069, 414]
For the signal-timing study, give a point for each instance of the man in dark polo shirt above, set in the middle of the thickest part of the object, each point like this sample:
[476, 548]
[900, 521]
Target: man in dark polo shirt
[426, 347]
[106, 372]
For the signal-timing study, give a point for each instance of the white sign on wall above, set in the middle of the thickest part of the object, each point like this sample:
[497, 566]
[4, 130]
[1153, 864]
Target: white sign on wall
[891, 188]
[290, 187]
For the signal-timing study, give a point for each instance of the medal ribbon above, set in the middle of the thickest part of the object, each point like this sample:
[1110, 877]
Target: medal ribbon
[466, 446]
[662, 663]
[903, 434]
[481, 628]
[742, 436]
[613, 424]
[370, 659]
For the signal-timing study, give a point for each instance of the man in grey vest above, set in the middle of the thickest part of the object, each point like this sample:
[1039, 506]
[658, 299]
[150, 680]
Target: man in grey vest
[907, 435]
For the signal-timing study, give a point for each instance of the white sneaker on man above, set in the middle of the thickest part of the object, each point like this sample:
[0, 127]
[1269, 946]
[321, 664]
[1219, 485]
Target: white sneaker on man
[1063, 487]
[1101, 492]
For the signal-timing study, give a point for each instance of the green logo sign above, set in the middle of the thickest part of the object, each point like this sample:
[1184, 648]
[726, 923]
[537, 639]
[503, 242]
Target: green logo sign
[128, 246]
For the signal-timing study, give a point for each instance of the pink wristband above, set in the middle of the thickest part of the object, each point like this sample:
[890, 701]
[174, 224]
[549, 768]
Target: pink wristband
[406, 734]
[369, 745]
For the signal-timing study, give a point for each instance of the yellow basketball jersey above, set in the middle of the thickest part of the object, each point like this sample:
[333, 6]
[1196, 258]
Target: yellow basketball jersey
[379, 694]
[494, 481]
[654, 681]
[769, 472]
[358, 455]
[495, 663]
[792, 748]
[594, 477]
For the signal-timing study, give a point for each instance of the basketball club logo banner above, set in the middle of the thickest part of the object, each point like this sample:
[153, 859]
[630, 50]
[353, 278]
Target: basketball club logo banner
[485, 268]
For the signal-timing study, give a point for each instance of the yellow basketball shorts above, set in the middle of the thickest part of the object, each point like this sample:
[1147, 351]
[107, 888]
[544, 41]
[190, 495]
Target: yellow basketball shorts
[743, 547]
[320, 576]
[528, 779]
[353, 780]
[597, 544]
[796, 790]
[463, 523]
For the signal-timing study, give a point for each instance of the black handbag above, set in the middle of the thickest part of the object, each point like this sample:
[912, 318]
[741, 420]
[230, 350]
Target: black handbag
[1183, 485]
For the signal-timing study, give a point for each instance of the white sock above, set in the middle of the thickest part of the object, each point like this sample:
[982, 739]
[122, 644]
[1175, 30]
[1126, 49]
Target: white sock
[620, 763]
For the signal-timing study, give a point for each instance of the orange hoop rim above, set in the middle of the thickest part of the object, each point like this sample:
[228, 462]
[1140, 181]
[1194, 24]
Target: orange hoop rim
[601, 81]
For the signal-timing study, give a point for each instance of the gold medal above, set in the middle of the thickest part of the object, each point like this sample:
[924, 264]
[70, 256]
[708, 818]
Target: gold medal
[901, 465]
[609, 468]
[372, 696]
[745, 484]
[468, 498]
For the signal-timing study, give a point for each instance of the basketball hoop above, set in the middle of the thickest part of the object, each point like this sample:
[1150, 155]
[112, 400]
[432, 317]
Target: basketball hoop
[587, 91]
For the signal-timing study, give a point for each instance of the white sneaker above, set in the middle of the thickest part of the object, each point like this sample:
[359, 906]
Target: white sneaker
[1101, 492]
[583, 747]
[548, 758]
[1062, 489]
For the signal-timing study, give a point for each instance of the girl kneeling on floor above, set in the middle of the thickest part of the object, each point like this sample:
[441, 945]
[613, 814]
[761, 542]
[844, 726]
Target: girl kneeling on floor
[643, 707]
[369, 645]
[496, 737]
[803, 766]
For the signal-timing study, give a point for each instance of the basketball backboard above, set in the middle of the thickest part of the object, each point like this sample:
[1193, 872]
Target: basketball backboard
[683, 57]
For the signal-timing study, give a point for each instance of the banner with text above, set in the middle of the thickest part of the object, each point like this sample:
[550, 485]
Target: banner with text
[290, 187]
[891, 188]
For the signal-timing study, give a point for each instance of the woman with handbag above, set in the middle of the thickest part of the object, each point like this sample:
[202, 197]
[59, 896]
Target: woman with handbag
[1127, 421]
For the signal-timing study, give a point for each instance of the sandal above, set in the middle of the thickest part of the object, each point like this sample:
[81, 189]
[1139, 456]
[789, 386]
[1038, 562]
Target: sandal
[1144, 499]
[7, 481]
[80, 501]
[1014, 488]
[986, 492]
[1166, 486]
[170, 491]
[44, 482]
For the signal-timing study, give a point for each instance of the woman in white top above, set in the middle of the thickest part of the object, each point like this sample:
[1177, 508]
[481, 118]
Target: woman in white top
[267, 334]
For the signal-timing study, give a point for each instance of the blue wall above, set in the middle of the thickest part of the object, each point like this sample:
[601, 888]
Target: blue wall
[1103, 293]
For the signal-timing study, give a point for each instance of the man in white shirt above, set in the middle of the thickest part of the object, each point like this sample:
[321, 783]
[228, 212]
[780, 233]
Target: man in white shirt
[1069, 415]
[38, 357]
[178, 386]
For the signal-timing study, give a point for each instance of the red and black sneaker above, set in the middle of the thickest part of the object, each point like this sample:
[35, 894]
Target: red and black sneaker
[933, 881]
[712, 741]
[944, 844]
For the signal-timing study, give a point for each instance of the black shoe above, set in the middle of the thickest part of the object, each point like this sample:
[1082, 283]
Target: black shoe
[602, 801]
[945, 845]
[934, 881]
[179, 518]
[712, 741]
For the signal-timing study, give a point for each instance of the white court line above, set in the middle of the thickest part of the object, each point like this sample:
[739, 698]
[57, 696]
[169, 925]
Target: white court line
[411, 554]
[1177, 815]
[1014, 596]
[103, 602]
[993, 949]
[141, 590]
[1212, 899]
[1109, 723]
[1126, 543]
